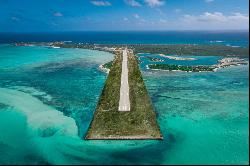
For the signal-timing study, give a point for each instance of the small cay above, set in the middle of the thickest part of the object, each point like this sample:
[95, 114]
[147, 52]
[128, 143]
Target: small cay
[180, 68]
[225, 62]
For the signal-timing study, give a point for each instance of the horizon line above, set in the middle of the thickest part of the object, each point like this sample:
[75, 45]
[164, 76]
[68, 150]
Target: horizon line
[214, 30]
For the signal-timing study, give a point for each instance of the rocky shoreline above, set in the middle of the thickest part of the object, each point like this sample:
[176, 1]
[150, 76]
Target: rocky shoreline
[104, 69]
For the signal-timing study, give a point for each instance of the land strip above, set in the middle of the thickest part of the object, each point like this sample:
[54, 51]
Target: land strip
[167, 49]
[139, 123]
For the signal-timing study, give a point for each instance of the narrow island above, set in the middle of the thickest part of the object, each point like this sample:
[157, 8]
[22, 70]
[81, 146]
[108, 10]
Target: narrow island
[180, 68]
[225, 62]
[111, 124]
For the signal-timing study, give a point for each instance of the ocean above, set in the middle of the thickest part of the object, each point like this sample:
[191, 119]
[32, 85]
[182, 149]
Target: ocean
[232, 38]
[48, 97]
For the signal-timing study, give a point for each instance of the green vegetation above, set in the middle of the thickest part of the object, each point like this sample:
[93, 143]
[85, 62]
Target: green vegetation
[168, 49]
[173, 49]
[185, 49]
[139, 123]
[108, 65]
[181, 68]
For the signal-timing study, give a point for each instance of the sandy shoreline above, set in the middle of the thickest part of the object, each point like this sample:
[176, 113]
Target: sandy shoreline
[178, 58]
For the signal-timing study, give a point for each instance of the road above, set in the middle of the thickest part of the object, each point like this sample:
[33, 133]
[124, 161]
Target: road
[124, 103]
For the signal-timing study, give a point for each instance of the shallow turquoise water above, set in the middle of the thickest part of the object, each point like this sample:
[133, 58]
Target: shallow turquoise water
[197, 60]
[47, 99]
[206, 113]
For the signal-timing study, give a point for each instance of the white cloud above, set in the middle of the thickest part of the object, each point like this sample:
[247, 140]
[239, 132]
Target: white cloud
[206, 17]
[101, 3]
[216, 17]
[162, 21]
[133, 3]
[15, 18]
[218, 20]
[125, 19]
[58, 14]
[177, 10]
[136, 16]
[161, 12]
[154, 3]
[208, 1]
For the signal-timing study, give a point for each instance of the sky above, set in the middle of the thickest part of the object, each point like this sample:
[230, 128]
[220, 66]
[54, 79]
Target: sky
[122, 15]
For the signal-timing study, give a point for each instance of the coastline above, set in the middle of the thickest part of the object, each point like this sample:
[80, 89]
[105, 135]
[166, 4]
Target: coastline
[165, 49]
[102, 68]
[177, 58]
[223, 63]
[138, 124]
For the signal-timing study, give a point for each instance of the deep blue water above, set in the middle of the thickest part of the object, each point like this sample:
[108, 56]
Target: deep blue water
[233, 38]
